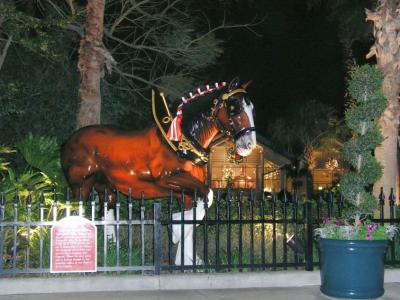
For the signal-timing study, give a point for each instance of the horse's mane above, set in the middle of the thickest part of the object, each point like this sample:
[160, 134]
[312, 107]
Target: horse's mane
[199, 103]
[196, 111]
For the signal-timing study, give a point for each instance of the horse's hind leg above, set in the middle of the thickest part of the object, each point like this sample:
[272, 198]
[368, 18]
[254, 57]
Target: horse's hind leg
[81, 190]
[80, 181]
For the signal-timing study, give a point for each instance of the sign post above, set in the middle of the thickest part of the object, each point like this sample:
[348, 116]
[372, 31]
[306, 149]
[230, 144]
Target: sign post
[73, 246]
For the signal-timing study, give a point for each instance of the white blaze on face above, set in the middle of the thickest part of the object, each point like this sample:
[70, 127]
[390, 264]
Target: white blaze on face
[247, 142]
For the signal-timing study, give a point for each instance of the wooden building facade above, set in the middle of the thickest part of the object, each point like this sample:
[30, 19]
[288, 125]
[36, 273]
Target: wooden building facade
[264, 169]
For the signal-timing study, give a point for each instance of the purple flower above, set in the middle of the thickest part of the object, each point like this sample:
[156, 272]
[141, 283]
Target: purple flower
[368, 236]
[371, 227]
[325, 219]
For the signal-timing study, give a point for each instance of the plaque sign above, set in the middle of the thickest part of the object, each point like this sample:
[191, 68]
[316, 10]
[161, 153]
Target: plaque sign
[73, 246]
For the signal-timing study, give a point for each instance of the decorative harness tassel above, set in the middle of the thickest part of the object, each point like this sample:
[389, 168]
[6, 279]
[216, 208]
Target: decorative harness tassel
[175, 130]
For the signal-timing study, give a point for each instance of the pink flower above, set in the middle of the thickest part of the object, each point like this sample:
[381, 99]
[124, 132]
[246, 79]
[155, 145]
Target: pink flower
[371, 227]
[368, 236]
[325, 219]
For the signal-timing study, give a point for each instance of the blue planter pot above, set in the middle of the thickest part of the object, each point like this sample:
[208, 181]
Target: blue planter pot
[352, 269]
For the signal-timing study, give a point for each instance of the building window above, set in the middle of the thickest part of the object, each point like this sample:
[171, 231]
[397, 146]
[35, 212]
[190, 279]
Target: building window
[272, 177]
[234, 176]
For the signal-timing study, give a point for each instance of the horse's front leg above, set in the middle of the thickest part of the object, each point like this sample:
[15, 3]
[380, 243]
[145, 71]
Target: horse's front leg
[188, 182]
[188, 229]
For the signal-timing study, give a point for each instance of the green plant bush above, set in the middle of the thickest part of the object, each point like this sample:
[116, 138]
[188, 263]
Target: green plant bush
[355, 185]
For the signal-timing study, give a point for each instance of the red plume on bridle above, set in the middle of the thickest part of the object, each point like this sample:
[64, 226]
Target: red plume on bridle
[175, 130]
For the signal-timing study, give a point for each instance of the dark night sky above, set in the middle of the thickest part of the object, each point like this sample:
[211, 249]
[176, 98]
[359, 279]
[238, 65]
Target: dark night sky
[298, 57]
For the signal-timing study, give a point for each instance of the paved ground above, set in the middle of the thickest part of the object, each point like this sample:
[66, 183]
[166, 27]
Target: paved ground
[293, 293]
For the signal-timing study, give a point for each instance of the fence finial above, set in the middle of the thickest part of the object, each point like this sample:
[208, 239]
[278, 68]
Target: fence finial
[29, 199]
[392, 197]
[381, 197]
[16, 197]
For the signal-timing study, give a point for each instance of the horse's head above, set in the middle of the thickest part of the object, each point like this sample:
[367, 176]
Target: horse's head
[235, 113]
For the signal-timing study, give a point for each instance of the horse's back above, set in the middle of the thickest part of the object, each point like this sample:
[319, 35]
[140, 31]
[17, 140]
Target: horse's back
[98, 147]
[97, 134]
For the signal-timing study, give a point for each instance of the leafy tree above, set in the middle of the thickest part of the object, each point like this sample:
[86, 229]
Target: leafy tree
[383, 32]
[146, 44]
[42, 153]
[36, 76]
[303, 127]
[365, 88]
[306, 128]
[4, 164]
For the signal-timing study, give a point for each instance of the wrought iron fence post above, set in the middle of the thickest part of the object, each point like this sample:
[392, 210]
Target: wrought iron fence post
[308, 228]
[142, 248]
[157, 238]
[392, 199]
[285, 227]
[170, 230]
[15, 229]
[194, 243]
[217, 230]
[2, 209]
[381, 206]
[28, 230]
[274, 231]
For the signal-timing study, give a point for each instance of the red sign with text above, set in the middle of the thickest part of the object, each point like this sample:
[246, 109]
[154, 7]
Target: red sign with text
[73, 246]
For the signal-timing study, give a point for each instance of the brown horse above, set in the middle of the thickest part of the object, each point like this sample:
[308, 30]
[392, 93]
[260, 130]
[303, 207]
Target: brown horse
[105, 157]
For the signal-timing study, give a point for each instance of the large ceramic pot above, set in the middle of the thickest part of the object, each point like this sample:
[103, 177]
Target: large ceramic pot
[352, 269]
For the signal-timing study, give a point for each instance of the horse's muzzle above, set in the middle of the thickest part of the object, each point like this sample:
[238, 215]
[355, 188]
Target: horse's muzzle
[242, 132]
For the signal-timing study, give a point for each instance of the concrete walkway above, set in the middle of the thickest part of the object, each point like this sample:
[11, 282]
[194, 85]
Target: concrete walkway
[281, 293]
[280, 285]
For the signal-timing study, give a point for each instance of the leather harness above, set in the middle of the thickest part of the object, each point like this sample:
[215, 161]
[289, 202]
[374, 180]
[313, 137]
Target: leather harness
[191, 149]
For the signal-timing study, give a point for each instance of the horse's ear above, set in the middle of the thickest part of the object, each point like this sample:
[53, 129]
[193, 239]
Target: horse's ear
[234, 84]
[245, 85]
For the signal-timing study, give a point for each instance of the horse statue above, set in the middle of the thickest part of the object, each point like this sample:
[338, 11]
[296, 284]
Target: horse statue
[157, 161]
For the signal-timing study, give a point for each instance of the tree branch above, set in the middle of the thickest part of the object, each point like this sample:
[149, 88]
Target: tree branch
[247, 26]
[125, 14]
[4, 52]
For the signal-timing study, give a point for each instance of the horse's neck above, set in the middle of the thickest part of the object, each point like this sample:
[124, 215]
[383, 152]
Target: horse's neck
[198, 125]
[203, 131]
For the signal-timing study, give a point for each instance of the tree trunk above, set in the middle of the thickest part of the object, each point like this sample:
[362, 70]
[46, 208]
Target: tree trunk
[386, 20]
[91, 65]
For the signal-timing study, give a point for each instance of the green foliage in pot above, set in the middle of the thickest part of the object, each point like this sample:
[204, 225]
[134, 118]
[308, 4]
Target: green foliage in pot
[370, 103]
[355, 185]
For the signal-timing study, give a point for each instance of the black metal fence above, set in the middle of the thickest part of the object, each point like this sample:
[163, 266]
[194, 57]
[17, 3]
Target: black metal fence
[25, 225]
[243, 230]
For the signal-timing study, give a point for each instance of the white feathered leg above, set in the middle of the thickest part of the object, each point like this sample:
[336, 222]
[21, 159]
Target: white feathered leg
[111, 230]
[188, 232]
